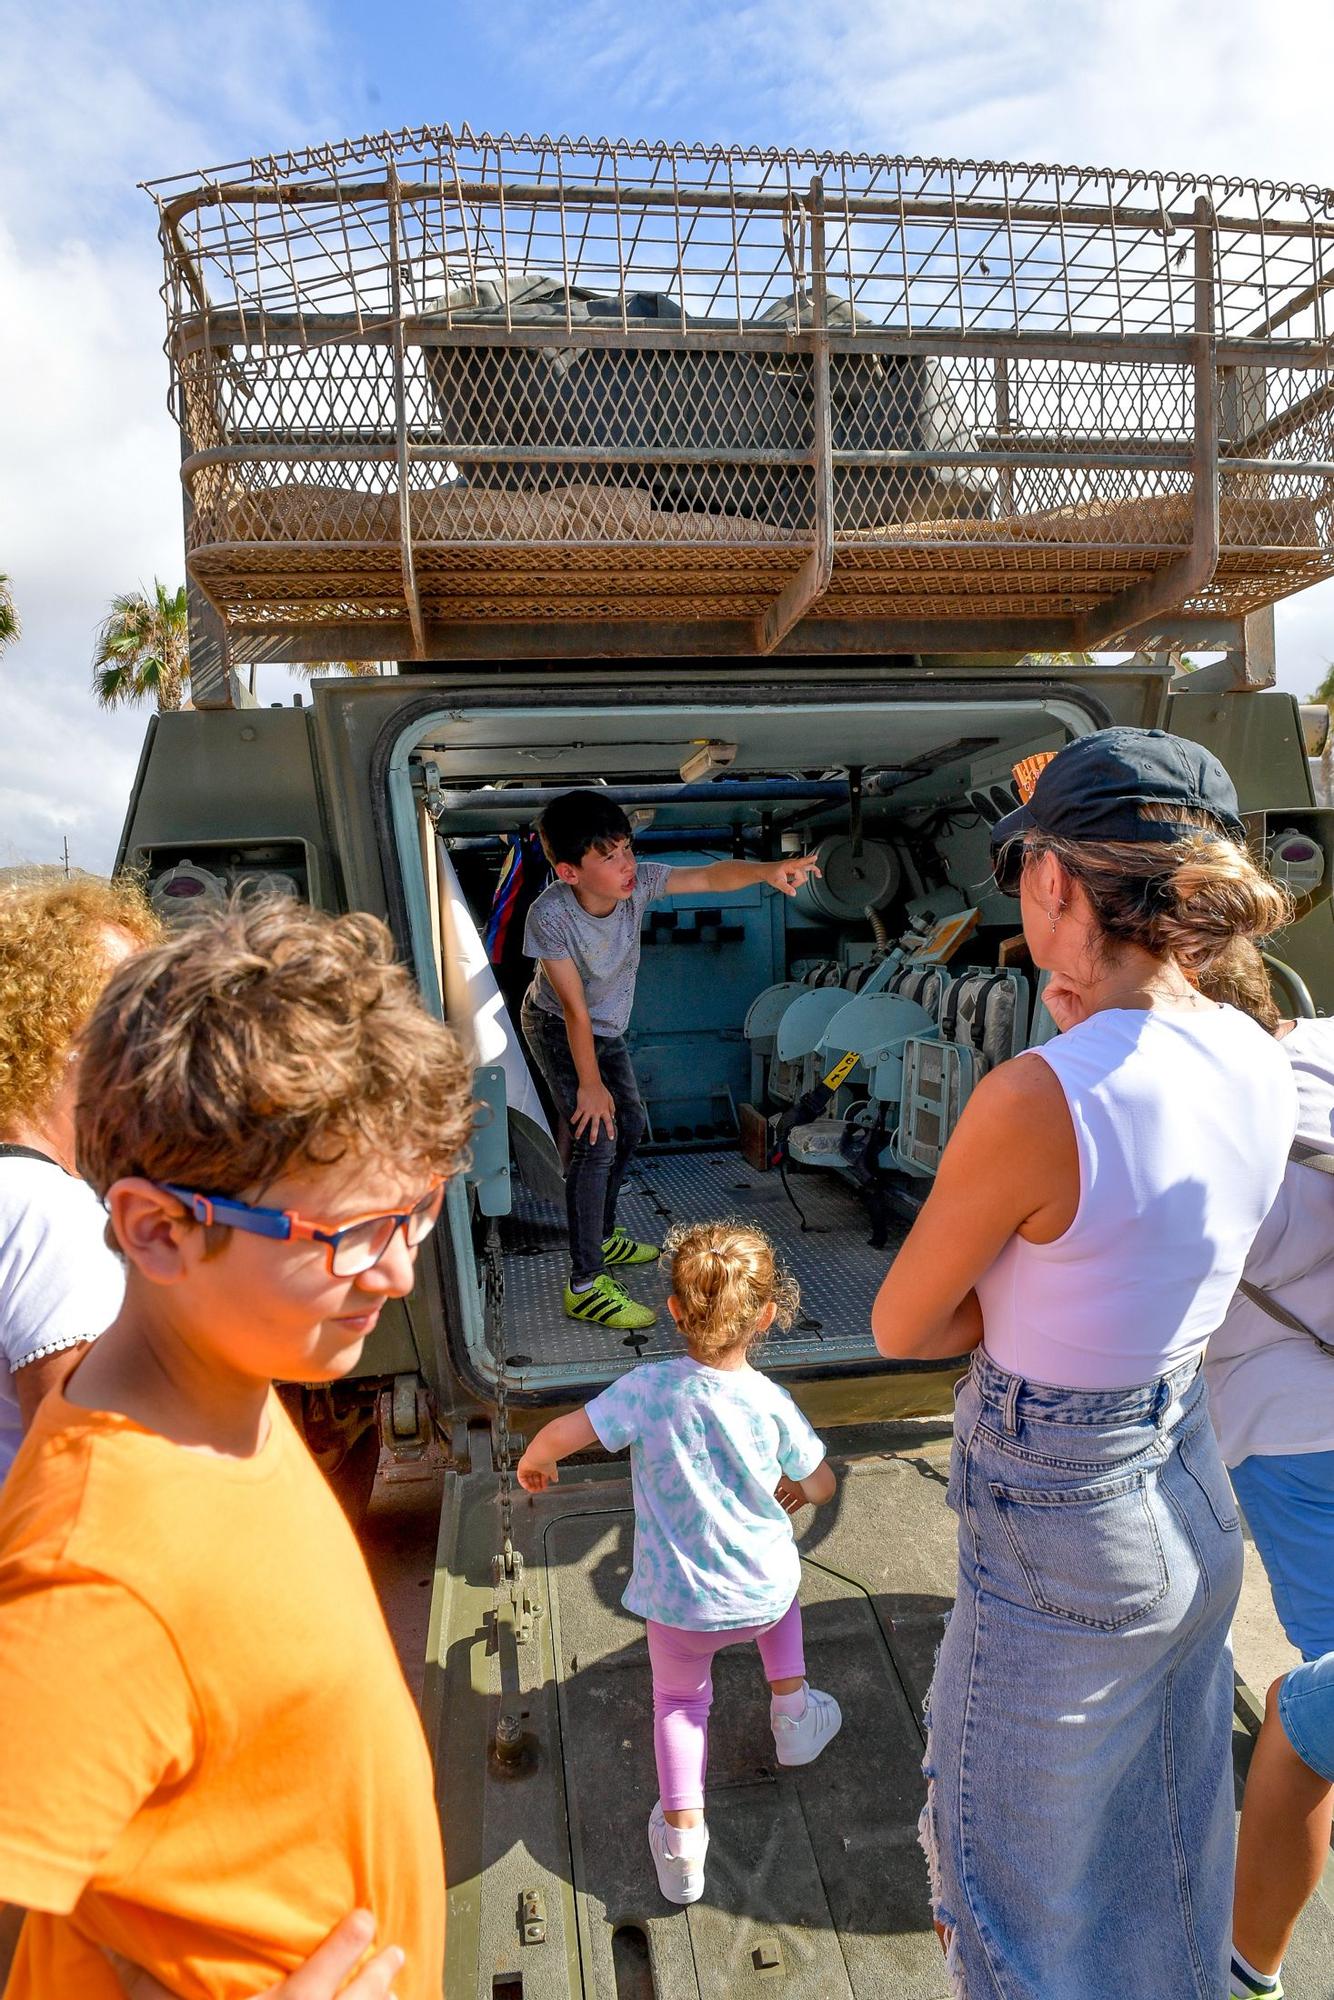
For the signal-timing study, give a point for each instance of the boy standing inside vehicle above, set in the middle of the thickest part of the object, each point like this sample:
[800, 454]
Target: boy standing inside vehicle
[583, 931]
[209, 1751]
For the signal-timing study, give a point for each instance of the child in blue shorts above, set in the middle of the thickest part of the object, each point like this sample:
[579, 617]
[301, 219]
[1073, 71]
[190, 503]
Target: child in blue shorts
[719, 1457]
[1270, 1369]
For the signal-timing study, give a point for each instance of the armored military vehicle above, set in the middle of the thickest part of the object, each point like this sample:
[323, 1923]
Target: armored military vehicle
[798, 499]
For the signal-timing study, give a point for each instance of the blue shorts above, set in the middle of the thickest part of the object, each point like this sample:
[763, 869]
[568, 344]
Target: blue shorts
[1289, 1507]
[1306, 1710]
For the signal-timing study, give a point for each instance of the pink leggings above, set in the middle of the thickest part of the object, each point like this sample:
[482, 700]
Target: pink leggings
[683, 1694]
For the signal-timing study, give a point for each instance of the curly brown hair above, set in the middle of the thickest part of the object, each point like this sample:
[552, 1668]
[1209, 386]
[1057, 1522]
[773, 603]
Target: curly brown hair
[53, 966]
[263, 1036]
[1238, 978]
[1187, 899]
[723, 1276]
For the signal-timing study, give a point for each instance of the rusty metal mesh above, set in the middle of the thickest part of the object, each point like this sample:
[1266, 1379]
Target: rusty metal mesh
[430, 379]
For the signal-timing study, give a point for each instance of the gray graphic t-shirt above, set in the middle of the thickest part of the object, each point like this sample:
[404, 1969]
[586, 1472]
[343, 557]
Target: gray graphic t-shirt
[605, 950]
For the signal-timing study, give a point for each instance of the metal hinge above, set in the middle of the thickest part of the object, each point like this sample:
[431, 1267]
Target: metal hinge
[405, 1418]
[517, 1604]
[533, 1917]
[435, 802]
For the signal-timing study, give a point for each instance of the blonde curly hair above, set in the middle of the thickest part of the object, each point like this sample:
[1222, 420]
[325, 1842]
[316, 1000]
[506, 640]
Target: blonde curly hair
[53, 966]
[723, 1276]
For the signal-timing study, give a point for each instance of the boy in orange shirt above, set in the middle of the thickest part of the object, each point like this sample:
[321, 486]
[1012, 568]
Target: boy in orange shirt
[209, 1752]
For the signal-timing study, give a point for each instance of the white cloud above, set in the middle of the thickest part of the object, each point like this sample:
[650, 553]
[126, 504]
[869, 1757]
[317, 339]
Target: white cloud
[94, 97]
[1304, 639]
[1228, 87]
[97, 94]
[1224, 86]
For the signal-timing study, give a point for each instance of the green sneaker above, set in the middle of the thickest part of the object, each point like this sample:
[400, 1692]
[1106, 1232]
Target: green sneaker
[607, 1303]
[621, 1248]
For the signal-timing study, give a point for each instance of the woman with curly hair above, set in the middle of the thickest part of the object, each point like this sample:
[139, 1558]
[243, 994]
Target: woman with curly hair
[60, 940]
[1087, 1228]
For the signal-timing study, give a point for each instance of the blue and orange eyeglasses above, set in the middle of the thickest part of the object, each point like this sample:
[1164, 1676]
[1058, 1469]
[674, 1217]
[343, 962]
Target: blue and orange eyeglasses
[352, 1248]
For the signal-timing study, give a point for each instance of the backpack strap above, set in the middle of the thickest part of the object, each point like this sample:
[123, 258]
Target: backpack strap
[1304, 1155]
[1267, 1303]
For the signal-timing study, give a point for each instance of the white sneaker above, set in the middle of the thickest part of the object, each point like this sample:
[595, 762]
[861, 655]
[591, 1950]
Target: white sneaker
[800, 1739]
[680, 1873]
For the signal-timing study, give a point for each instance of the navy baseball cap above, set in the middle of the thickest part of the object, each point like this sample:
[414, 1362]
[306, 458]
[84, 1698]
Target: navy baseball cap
[1096, 788]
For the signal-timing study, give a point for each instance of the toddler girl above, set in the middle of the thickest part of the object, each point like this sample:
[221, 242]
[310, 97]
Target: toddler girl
[719, 1457]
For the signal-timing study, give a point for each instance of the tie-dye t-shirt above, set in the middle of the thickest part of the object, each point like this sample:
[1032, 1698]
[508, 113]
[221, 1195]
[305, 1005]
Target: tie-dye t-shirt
[713, 1548]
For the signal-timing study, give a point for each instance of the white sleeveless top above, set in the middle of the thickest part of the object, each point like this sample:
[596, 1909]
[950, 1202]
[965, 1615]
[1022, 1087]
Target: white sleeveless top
[1183, 1120]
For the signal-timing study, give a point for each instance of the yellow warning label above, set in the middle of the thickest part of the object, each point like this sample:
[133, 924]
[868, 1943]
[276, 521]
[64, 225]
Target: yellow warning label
[842, 1070]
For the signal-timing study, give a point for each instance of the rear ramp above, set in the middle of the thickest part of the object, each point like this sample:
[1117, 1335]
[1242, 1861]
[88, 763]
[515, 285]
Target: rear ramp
[815, 1887]
[819, 1866]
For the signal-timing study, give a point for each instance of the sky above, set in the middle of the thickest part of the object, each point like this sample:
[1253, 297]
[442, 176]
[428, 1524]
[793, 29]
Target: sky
[96, 95]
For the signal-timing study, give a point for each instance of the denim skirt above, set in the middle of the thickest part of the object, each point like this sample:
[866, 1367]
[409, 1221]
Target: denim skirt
[1079, 1818]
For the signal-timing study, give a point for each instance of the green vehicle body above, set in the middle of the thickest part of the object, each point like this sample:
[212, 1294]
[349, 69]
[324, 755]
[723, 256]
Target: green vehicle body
[332, 790]
[333, 783]
[534, 1682]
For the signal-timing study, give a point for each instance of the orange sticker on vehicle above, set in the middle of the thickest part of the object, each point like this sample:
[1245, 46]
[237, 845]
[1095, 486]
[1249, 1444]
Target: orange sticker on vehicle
[1027, 772]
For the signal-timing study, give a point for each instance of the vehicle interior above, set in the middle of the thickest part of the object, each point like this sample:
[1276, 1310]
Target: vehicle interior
[884, 974]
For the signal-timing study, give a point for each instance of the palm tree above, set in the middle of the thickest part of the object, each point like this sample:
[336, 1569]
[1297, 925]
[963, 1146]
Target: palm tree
[143, 648]
[9, 618]
[306, 670]
[355, 669]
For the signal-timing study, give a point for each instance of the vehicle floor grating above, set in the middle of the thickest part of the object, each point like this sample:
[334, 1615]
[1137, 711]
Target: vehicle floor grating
[832, 1260]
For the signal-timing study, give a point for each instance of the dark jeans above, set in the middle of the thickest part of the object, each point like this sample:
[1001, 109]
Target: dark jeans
[597, 1168]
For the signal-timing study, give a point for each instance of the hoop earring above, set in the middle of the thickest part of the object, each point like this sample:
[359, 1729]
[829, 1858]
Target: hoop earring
[1054, 916]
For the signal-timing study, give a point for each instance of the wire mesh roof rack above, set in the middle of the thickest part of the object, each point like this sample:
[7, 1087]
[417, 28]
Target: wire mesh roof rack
[438, 390]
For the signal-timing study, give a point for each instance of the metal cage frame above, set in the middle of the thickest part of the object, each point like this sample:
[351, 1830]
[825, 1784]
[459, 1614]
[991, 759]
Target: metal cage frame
[444, 395]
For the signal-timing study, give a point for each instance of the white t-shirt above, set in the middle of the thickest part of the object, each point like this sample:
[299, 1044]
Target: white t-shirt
[1271, 1391]
[59, 1283]
[1183, 1119]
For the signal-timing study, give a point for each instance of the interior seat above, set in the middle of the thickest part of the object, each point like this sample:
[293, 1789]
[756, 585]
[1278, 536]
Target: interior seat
[983, 1021]
[926, 984]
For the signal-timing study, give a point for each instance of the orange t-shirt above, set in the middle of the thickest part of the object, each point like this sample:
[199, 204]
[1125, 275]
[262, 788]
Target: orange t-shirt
[208, 1753]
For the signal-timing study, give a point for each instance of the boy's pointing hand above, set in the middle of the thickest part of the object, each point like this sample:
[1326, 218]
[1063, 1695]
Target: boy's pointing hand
[788, 875]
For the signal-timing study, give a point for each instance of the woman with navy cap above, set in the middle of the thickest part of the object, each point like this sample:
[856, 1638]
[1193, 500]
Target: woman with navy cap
[1083, 1237]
